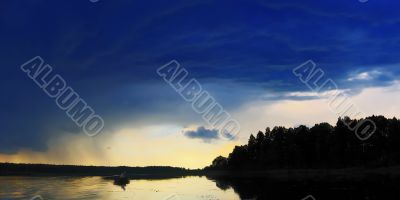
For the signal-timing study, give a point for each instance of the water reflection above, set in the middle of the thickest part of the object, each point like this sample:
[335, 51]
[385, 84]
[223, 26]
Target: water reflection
[90, 188]
[262, 188]
[193, 188]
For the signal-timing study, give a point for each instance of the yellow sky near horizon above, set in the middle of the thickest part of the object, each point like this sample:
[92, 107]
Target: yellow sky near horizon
[126, 148]
[166, 145]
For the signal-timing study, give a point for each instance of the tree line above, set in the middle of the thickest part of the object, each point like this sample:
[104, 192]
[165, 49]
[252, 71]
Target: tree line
[48, 169]
[321, 146]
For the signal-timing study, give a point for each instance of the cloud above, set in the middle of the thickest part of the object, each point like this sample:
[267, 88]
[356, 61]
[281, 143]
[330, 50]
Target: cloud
[202, 133]
[131, 146]
[111, 61]
[364, 76]
[257, 115]
[127, 147]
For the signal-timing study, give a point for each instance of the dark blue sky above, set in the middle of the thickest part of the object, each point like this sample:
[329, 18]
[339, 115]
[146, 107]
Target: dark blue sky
[108, 52]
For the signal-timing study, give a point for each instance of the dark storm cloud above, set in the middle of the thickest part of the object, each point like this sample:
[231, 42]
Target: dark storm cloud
[202, 133]
[108, 52]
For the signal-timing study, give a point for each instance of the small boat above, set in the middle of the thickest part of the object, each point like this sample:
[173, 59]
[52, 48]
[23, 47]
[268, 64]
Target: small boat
[121, 179]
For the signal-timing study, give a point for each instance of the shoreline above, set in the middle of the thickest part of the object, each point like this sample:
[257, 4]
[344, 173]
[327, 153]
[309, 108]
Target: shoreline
[137, 173]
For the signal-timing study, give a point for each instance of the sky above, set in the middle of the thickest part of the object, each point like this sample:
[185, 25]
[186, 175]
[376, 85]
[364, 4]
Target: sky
[241, 52]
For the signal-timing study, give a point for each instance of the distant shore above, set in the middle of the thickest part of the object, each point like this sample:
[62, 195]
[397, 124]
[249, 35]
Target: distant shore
[162, 172]
[151, 172]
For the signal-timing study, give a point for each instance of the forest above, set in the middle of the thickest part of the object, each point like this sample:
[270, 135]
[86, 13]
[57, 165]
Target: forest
[20, 169]
[322, 146]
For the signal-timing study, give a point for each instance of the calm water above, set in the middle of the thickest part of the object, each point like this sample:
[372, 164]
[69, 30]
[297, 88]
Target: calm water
[199, 188]
[96, 188]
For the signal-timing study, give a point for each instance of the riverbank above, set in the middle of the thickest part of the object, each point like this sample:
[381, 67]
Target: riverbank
[346, 174]
[153, 172]
[164, 172]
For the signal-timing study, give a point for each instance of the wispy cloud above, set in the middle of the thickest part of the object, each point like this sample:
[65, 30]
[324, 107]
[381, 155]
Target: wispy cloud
[365, 76]
[111, 61]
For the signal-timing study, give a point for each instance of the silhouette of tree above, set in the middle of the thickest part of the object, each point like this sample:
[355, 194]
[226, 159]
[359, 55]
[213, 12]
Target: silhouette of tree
[321, 146]
[219, 162]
